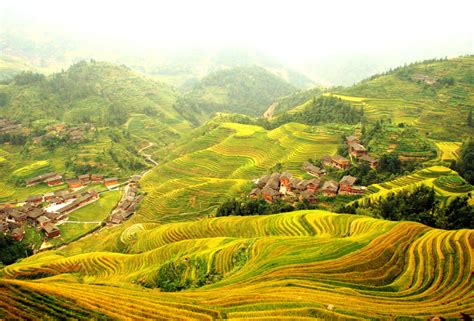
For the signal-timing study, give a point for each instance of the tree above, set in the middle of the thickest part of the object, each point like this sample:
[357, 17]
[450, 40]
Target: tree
[11, 250]
[457, 214]
[465, 165]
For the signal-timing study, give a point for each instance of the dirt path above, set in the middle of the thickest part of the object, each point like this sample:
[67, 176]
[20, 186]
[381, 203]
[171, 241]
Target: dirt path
[268, 114]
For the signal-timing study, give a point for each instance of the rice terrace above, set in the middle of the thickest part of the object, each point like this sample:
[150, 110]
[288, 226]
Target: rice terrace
[179, 161]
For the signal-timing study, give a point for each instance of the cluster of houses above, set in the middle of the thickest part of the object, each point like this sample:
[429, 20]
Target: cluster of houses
[75, 134]
[44, 212]
[276, 185]
[54, 179]
[355, 149]
[9, 127]
[129, 202]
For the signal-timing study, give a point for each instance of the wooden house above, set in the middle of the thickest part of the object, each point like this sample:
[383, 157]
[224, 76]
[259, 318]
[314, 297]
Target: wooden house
[274, 182]
[357, 150]
[270, 194]
[51, 230]
[97, 178]
[255, 193]
[54, 181]
[74, 183]
[313, 170]
[330, 188]
[308, 196]
[18, 234]
[39, 179]
[346, 183]
[340, 162]
[110, 182]
[326, 161]
[353, 139]
[49, 196]
[42, 220]
[370, 160]
[313, 185]
[85, 179]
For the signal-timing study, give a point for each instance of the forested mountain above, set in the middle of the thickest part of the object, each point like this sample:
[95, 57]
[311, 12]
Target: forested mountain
[88, 92]
[244, 90]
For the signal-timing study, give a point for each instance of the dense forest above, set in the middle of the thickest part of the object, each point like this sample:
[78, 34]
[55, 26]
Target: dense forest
[244, 90]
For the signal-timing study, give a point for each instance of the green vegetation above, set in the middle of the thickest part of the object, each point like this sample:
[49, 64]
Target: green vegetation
[419, 205]
[11, 250]
[465, 165]
[87, 218]
[245, 90]
[258, 207]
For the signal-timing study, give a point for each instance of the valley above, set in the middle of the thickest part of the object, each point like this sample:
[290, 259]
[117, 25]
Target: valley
[154, 244]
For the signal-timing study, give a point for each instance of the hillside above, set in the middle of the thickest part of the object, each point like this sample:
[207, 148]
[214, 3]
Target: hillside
[93, 92]
[300, 265]
[421, 94]
[244, 90]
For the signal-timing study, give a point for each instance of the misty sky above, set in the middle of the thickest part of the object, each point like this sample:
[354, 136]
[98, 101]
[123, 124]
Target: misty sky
[290, 30]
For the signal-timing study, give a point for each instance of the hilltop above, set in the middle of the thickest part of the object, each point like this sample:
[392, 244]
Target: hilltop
[421, 94]
[244, 90]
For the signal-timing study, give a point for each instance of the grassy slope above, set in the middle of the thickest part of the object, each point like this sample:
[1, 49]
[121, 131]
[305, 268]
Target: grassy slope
[404, 100]
[291, 265]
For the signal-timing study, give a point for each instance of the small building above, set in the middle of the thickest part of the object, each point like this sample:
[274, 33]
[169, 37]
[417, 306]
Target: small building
[85, 179]
[4, 227]
[353, 139]
[370, 160]
[97, 178]
[51, 230]
[110, 182]
[346, 183]
[255, 193]
[285, 179]
[54, 181]
[42, 220]
[38, 179]
[326, 161]
[313, 185]
[262, 181]
[274, 182]
[313, 170]
[18, 234]
[340, 162]
[116, 218]
[35, 199]
[34, 215]
[270, 194]
[49, 196]
[74, 183]
[330, 188]
[17, 216]
[357, 150]
[308, 196]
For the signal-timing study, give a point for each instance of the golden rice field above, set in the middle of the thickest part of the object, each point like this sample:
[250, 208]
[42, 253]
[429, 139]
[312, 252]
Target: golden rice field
[293, 266]
[446, 182]
[448, 150]
[198, 175]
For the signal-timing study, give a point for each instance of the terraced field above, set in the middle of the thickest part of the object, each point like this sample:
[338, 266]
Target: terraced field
[300, 265]
[448, 150]
[197, 176]
[446, 182]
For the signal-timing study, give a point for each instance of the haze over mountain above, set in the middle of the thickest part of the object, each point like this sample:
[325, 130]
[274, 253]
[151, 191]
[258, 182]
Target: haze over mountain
[313, 39]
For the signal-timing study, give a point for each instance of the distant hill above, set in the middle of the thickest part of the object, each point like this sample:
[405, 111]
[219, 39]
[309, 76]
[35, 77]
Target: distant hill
[88, 92]
[245, 90]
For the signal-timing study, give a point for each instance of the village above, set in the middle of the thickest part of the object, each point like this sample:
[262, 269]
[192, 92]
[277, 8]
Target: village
[46, 212]
[284, 185]
[12, 132]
